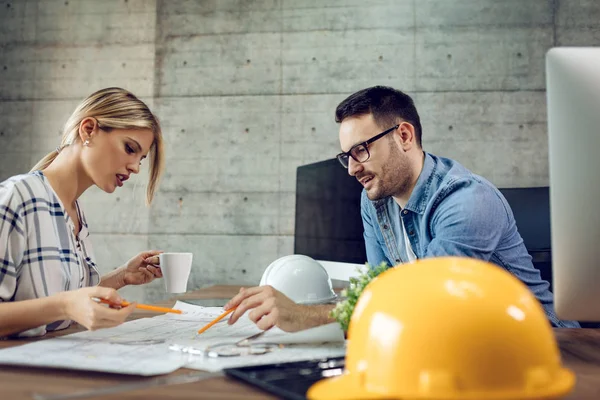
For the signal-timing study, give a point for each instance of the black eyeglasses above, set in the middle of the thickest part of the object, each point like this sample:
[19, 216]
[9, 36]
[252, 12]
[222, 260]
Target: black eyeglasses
[360, 152]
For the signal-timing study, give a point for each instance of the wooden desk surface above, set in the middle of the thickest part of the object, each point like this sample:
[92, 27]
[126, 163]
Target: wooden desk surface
[580, 350]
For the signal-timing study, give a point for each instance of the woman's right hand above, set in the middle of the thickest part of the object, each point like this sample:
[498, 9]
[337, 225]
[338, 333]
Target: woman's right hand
[80, 307]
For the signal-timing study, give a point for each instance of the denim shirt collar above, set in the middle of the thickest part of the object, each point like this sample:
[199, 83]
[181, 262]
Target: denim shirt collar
[421, 192]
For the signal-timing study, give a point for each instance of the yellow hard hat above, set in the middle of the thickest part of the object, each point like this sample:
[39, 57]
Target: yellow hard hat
[448, 328]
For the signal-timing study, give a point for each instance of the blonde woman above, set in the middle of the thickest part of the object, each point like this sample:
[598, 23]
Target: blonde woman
[48, 276]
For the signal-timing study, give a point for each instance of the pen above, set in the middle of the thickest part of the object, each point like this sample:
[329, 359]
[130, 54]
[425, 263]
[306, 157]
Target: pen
[220, 317]
[141, 306]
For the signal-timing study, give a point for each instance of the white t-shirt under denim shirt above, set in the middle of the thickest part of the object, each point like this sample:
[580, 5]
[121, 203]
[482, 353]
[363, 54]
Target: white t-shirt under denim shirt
[410, 254]
[40, 255]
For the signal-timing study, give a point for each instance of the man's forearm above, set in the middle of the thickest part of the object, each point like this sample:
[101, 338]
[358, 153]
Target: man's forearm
[314, 315]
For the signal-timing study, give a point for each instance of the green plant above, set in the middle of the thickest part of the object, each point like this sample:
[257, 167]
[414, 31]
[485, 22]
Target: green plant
[344, 309]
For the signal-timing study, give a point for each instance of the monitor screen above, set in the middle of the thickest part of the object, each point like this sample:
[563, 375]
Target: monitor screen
[328, 222]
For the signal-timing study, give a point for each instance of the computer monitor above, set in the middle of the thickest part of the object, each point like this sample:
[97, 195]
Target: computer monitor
[328, 222]
[573, 94]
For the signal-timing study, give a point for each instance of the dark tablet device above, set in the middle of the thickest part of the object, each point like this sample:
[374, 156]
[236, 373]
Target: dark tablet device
[289, 380]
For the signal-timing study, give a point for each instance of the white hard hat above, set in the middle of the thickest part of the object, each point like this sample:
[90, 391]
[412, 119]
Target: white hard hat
[300, 278]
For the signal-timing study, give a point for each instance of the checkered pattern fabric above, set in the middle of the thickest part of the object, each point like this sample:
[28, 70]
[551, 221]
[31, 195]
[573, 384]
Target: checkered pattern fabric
[39, 253]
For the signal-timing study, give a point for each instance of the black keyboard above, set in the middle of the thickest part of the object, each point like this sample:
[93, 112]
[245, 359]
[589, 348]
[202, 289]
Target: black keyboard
[289, 380]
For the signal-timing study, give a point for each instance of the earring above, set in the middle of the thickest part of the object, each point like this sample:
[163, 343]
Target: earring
[86, 142]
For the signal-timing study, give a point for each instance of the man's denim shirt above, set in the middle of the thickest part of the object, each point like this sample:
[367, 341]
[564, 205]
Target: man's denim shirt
[453, 212]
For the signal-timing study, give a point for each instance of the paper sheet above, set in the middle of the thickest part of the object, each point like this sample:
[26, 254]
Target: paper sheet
[289, 353]
[141, 347]
[110, 350]
[330, 333]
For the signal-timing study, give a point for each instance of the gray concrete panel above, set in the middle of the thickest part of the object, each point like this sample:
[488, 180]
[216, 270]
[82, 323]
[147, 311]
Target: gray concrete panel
[221, 174]
[17, 72]
[469, 58]
[248, 213]
[499, 135]
[444, 14]
[487, 116]
[309, 133]
[226, 64]
[577, 23]
[14, 164]
[95, 22]
[504, 163]
[476, 155]
[287, 213]
[76, 72]
[347, 15]
[522, 163]
[41, 72]
[221, 144]
[15, 21]
[15, 127]
[192, 18]
[323, 61]
[482, 44]
[285, 245]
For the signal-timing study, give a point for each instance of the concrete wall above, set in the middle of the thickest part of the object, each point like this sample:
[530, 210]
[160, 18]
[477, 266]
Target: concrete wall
[246, 92]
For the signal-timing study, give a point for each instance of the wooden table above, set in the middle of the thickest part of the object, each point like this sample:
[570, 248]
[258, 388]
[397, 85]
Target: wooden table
[580, 350]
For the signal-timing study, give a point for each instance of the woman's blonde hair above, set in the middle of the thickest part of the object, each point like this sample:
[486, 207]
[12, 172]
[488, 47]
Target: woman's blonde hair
[115, 108]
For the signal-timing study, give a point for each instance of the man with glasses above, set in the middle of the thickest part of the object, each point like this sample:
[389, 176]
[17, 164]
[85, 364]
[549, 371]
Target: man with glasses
[414, 205]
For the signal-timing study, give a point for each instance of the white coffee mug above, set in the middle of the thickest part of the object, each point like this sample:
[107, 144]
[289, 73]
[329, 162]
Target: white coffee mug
[176, 269]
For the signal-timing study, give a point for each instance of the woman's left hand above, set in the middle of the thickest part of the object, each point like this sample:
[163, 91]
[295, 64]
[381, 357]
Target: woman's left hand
[143, 268]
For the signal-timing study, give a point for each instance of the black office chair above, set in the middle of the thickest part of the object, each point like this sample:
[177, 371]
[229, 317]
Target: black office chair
[531, 208]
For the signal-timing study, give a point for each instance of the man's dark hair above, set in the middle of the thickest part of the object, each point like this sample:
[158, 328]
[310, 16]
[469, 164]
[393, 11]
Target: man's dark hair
[385, 103]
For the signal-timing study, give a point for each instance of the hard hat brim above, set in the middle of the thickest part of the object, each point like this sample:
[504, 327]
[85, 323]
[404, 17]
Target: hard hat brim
[345, 387]
[328, 300]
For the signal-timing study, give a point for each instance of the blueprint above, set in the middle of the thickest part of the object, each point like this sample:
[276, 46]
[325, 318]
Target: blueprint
[148, 346]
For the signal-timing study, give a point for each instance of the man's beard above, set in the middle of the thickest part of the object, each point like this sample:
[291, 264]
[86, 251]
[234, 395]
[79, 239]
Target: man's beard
[395, 178]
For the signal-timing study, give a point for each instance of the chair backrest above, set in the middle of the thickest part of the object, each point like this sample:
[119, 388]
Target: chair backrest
[531, 208]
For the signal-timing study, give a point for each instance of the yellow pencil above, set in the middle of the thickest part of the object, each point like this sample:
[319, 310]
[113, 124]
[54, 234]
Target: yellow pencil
[220, 317]
[142, 306]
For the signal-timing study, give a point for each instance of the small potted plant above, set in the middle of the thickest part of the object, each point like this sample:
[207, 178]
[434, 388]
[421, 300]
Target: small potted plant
[344, 309]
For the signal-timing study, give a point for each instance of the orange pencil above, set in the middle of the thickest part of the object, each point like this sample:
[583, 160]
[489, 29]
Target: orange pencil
[220, 317]
[143, 306]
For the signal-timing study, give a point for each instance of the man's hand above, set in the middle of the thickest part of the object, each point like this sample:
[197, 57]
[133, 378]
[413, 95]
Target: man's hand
[272, 308]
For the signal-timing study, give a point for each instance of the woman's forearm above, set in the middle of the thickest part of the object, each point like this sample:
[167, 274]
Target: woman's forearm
[113, 279]
[19, 316]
